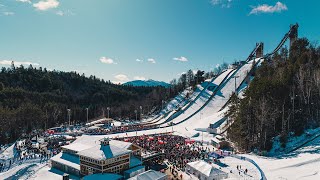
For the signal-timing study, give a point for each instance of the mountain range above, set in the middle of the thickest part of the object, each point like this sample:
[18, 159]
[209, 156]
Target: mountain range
[147, 83]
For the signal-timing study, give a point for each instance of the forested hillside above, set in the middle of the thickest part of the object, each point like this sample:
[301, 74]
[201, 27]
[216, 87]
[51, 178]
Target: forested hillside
[33, 98]
[283, 99]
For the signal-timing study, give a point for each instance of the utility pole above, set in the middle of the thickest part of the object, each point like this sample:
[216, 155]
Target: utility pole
[102, 112]
[202, 138]
[87, 115]
[135, 111]
[69, 114]
[108, 109]
[140, 113]
[172, 126]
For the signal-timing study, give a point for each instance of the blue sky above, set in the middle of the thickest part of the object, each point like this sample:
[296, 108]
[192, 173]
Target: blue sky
[121, 40]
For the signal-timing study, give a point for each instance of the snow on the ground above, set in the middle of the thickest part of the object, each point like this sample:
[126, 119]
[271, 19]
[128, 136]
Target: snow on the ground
[232, 163]
[301, 164]
[33, 171]
[304, 166]
[293, 141]
[211, 112]
[49, 174]
[179, 101]
[22, 171]
[201, 100]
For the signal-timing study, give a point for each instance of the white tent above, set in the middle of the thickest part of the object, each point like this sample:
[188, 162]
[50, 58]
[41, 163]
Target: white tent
[150, 175]
[204, 170]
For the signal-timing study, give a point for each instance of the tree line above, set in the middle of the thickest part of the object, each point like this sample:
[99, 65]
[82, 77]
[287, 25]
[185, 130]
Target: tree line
[282, 100]
[35, 98]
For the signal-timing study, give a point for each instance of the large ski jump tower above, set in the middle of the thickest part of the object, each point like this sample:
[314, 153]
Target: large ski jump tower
[293, 34]
[259, 51]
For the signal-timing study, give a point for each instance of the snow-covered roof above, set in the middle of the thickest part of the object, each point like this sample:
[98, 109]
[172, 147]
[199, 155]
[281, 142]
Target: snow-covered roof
[67, 159]
[99, 125]
[83, 142]
[87, 141]
[205, 168]
[103, 176]
[116, 123]
[93, 127]
[102, 152]
[149, 175]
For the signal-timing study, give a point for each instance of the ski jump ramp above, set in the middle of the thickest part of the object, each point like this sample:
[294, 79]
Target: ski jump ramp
[205, 109]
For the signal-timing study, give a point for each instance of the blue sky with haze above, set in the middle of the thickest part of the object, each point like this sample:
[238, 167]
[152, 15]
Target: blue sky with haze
[121, 40]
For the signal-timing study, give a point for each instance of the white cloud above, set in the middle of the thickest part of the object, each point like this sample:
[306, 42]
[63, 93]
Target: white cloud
[7, 13]
[151, 60]
[60, 13]
[139, 60]
[24, 1]
[107, 60]
[46, 4]
[182, 59]
[17, 63]
[65, 13]
[265, 8]
[139, 78]
[222, 3]
[121, 78]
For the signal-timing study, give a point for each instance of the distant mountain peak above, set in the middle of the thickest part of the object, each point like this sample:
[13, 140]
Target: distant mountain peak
[147, 83]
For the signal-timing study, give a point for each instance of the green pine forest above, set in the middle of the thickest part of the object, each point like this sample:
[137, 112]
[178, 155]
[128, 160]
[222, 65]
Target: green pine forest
[282, 100]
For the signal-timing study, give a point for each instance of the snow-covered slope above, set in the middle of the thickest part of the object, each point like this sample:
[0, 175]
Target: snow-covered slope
[197, 100]
[201, 100]
[204, 110]
[179, 101]
[302, 164]
[210, 112]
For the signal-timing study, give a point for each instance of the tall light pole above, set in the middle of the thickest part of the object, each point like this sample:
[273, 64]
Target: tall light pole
[202, 138]
[135, 111]
[172, 126]
[201, 113]
[69, 114]
[171, 123]
[162, 104]
[103, 112]
[87, 115]
[108, 109]
[140, 113]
